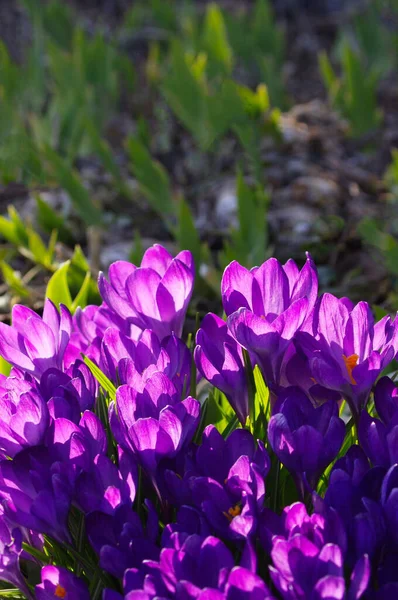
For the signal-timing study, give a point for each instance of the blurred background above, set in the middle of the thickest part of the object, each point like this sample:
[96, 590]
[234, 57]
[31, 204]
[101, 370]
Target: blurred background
[236, 129]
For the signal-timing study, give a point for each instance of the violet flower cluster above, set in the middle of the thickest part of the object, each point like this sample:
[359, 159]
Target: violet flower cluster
[124, 474]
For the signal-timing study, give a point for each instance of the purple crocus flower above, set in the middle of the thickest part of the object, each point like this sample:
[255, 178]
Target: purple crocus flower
[134, 362]
[379, 441]
[389, 501]
[346, 350]
[194, 567]
[76, 445]
[57, 582]
[225, 482]
[219, 359]
[379, 438]
[153, 296]
[302, 570]
[304, 438]
[89, 326]
[354, 493]
[386, 399]
[104, 488]
[71, 393]
[24, 416]
[120, 539]
[35, 344]
[307, 561]
[154, 423]
[36, 492]
[10, 552]
[324, 526]
[266, 306]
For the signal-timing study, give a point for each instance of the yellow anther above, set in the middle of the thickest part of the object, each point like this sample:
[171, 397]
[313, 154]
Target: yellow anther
[351, 362]
[60, 592]
[233, 512]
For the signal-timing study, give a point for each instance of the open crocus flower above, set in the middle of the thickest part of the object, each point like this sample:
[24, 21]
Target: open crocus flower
[346, 350]
[307, 568]
[57, 582]
[153, 296]
[24, 416]
[154, 423]
[134, 362]
[266, 306]
[194, 567]
[34, 344]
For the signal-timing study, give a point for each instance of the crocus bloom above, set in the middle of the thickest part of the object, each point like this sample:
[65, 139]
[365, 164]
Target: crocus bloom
[35, 344]
[265, 308]
[195, 567]
[389, 501]
[324, 526]
[219, 359]
[304, 438]
[153, 296]
[154, 423]
[302, 570]
[10, 551]
[103, 488]
[89, 325]
[379, 441]
[134, 362]
[346, 350]
[386, 399]
[354, 493]
[36, 492]
[307, 563]
[121, 541]
[226, 481]
[57, 582]
[24, 416]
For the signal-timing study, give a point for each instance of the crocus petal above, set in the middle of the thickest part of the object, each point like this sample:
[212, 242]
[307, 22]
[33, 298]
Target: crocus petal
[271, 294]
[236, 288]
[358, 332]
[156, 258]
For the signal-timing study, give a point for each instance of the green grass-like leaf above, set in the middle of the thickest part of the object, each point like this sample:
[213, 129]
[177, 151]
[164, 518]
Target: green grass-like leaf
[102, 379]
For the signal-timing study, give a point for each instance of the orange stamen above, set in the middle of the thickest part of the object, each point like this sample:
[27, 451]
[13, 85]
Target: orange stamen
[351, 362]
[60, 592]
[233, 512]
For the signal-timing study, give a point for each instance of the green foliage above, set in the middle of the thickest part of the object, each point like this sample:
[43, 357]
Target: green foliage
[354, 93]
[186, 234]
[215, 42]
[391, 176]
[199, 87]
[72, 283]
[14, 281]
[26, 240]
[249, 242]
[371, 34]
[152, 178]
[102, 379]
[70, 181]
[220, 413]
[49, 220]
[59, 292]
[261, 48]
[385, 243]
[57, 288]
[56, 107]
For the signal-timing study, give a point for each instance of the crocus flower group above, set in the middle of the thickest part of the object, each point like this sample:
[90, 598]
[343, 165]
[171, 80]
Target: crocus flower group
[125, 476]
